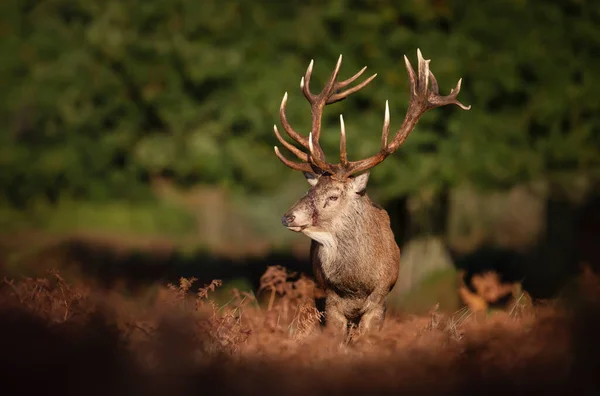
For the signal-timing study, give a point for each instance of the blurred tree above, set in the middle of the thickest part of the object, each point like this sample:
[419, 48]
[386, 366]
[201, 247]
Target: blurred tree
[99, 96]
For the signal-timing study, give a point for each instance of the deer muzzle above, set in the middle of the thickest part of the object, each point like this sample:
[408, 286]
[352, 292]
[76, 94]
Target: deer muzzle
[293, 222]
[287, 219]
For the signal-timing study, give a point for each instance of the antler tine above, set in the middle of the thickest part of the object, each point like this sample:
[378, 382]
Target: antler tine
[434, 84]
[301, 166]
[343, 95]
[345, 83]
[412, 77]
[343, 153]
[331, 84]
[305, 82]
[286, 125]
[438, 100]
[423, 73]
[385, 133]
[423, 97]
[300, 154]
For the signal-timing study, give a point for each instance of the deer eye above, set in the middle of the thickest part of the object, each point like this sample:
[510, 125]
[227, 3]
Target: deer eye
[333, 198]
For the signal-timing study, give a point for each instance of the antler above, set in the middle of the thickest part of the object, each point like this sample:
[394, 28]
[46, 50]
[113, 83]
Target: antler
[315, 159]
[423, 97]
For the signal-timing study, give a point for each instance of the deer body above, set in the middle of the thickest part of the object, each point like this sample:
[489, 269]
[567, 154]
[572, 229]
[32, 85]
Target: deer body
[357, 263]
[354, 255]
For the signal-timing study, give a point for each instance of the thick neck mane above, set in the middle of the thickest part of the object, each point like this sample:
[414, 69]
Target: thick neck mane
[353, 228]
[349, 251]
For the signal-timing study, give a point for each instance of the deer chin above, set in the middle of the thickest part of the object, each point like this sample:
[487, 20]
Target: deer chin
[297, 228]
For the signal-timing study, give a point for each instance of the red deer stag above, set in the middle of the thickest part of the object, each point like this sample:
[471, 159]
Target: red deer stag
[354, 255]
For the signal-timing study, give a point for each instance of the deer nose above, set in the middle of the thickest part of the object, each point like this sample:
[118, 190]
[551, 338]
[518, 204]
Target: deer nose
[286, 220]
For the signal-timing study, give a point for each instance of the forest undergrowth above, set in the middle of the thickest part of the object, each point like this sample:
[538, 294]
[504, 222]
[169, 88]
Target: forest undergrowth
[70, 337]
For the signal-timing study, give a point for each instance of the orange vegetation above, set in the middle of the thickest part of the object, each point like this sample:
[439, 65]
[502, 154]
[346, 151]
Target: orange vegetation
[72, 338]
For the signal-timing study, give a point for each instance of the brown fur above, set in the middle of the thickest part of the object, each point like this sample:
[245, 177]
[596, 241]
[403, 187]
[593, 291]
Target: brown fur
[354, 254]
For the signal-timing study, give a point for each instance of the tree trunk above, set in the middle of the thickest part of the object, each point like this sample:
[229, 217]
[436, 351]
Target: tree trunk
[554, 259]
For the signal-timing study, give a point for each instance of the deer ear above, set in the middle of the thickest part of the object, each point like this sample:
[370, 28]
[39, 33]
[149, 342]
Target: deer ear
[359, 183]
[311, 178]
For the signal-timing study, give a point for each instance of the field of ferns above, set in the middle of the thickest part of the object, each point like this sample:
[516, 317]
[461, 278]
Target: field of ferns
[69, 337]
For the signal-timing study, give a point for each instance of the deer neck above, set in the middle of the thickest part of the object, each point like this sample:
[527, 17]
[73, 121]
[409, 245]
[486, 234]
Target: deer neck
[341, 245]
[346, 230]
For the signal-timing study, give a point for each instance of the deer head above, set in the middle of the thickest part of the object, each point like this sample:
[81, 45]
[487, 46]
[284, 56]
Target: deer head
[335, 192]
[329, 200]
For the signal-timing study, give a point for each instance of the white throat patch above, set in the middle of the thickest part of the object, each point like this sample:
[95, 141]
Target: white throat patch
[328, 249]
[321, 236]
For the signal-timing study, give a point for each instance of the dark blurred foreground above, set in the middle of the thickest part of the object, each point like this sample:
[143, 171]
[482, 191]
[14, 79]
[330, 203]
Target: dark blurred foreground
[55, 339]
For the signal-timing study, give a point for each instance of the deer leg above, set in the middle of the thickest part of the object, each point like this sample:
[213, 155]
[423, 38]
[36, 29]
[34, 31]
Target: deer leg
[335, 320]
[373, 318]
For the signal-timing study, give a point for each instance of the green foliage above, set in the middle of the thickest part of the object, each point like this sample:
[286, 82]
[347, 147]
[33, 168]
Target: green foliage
[148, 218]
[100, 96]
